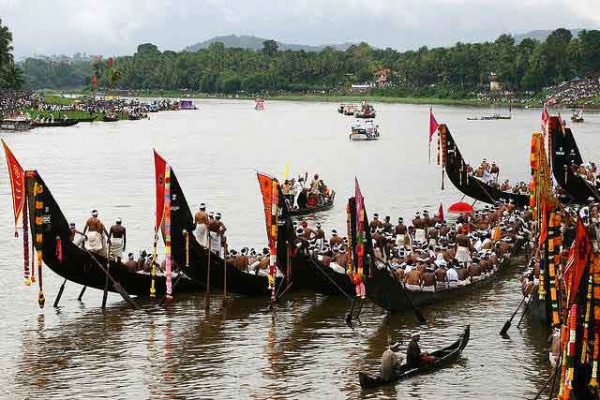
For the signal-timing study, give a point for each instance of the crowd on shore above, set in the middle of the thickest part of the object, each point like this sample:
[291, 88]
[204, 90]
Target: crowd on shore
[12, 101]
[31, 105]
[577, 91]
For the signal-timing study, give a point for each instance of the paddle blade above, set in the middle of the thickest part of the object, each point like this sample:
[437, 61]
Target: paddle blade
[505, 328]
[125, 295]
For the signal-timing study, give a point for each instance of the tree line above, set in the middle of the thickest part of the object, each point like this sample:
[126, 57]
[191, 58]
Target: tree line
[455, 72]
[10, 75]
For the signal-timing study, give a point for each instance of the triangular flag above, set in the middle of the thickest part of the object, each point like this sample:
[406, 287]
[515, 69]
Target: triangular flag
[433, 124]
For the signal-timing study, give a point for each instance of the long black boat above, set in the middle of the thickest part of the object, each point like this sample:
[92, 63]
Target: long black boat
[238, 282]
[383, 288]
[564, 153]
[456, 168]
[58, 122]
[444, 357]
[81, 266]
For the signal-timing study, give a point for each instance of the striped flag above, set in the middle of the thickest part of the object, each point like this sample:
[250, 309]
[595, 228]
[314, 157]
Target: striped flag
[545, 119]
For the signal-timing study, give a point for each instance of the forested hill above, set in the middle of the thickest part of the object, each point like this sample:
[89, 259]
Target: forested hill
[256, 43]
[453, 72]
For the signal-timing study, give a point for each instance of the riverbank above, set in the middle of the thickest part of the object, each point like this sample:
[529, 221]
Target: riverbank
[55, 97]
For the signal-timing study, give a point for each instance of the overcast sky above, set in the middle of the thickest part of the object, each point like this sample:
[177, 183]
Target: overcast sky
[115, 27]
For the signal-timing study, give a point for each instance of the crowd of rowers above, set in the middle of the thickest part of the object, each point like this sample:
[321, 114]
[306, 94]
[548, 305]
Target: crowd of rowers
[489, 172]
[298, 195]
[428, 255]
[587, 171]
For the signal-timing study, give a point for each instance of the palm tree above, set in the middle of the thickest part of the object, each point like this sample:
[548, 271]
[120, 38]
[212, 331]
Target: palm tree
[13, 77]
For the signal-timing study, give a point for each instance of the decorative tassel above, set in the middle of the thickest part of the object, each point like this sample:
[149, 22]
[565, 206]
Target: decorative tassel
[586, 321]
[26, 245]
[168, 271]
[39, 239]
[59, 252]
[594, 380]
[186, 237]
[350, 269]
[273, 238]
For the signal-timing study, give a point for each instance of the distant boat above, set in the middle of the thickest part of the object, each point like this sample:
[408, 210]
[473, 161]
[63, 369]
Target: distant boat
[259, 104]
[489, 117]
[187, 105]
[367, 132]
[54, 123]
[577, 116]
[20, 123]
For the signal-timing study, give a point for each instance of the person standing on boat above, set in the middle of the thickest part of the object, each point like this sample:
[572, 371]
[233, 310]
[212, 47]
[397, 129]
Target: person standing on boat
[391, 360]
[78, 238]
[319, 237]
[95, 236]
[414, 357]
[117, 240]
[201, 221]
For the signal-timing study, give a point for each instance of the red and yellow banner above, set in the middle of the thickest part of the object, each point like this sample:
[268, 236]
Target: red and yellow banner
[160, 166]
[269, 188]
[17, 183]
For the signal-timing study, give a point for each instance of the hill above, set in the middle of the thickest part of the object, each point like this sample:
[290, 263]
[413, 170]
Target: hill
[540, 35]
[256, 43]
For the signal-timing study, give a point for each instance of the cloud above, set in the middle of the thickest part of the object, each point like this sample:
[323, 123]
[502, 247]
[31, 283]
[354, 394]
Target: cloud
[113, 27]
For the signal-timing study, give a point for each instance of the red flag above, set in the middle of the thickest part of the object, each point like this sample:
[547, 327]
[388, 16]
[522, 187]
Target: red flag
[433, 124]
[360, 200]
[94, 81]
[17, 183]
[269, 190]
[545, 118]
[441, 212]
[160, 166]
[583, 250]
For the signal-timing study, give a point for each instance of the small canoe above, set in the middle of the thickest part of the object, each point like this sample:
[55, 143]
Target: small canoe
[108, 118]
[444, 357]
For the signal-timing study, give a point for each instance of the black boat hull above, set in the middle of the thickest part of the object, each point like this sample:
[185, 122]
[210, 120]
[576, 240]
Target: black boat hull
[456, 169]
[80, 266]
[564, 152]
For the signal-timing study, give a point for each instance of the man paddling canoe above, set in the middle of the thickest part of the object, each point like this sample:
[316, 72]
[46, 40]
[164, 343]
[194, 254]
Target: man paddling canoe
[391, 359]
[414, 357]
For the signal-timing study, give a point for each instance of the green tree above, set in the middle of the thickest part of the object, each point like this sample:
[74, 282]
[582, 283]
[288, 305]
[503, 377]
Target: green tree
[270, 47]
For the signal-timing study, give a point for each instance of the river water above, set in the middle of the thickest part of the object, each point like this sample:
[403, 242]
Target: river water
[236, 349]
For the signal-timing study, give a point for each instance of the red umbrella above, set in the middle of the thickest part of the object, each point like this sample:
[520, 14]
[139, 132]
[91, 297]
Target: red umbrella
[461, 208]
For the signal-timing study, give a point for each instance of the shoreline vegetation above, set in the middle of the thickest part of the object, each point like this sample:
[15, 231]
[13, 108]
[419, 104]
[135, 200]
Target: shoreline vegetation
[67, 97]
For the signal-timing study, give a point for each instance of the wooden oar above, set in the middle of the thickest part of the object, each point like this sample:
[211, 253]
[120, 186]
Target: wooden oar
[105, 294]
[508, 323]
[81, 293]
[116, 285]
[524, 311]
[330, 279]
[60, 293]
